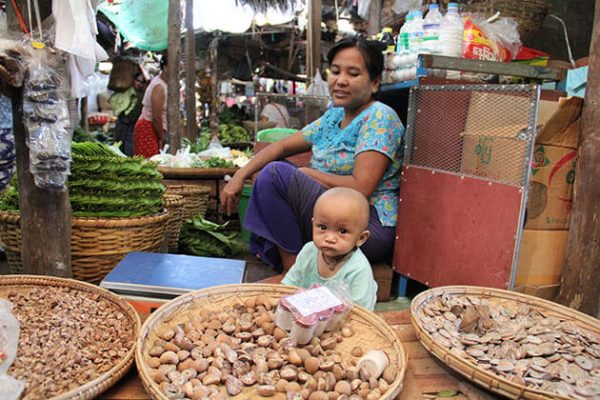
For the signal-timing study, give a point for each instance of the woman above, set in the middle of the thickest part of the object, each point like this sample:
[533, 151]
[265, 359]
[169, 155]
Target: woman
[356, 144]
[150, 130]
[131, 111]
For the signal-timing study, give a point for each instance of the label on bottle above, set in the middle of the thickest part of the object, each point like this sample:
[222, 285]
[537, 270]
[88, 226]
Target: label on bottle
[314, 300]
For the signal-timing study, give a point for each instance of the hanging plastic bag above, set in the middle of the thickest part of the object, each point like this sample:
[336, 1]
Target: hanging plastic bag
[319, 91]
[404, 6]
[363, 8]
[10, 388]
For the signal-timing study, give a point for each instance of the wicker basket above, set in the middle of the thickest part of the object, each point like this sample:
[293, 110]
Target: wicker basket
[479, 375]
[530, 14]
[370, 331]
[97, 244]
[195, 198]
[174, 205]
[94, 387]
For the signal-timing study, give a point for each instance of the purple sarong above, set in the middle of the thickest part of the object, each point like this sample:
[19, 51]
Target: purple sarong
[280, 215]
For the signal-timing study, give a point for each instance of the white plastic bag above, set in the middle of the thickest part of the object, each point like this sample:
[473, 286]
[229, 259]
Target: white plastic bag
[10, 388]
[404, 6]
[363, 8]
[319, 89]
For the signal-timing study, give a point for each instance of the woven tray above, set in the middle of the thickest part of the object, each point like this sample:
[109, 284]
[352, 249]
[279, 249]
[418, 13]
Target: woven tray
[195, 198]
[371, 332]
[97, 244]
[486, 377]
[92, 388]
[174, 204]
[196, 173]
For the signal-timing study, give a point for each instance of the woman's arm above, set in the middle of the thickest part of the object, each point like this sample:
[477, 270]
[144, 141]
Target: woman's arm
[291, 145]
[157, 100]
[369, 168]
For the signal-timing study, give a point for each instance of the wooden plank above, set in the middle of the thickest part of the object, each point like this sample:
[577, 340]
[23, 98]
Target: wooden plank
[397, 317]
[437, 384]
[45, 214]
[313, 39]
[191, 128]
[578, 291]
[492, 67]
[428, 368]
[405, 333]
[415, 350]
[173, 74]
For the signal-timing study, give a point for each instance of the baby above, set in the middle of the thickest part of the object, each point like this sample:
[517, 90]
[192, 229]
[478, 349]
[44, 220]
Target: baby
[340, 221]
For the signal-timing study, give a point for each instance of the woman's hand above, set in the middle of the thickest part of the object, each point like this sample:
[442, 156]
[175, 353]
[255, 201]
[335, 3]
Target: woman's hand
[230, 195]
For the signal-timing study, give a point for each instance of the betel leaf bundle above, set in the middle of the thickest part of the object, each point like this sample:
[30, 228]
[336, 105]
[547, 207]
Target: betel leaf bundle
[104, 183]
[201, 237]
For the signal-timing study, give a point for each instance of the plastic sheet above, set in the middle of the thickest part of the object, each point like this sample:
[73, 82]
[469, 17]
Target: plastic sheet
[10, 388]
[46, 116]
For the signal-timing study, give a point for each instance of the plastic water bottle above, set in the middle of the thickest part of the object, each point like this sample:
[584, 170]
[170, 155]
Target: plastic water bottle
[415, 34]
[431, 30]
[451, 32]
[402, 43]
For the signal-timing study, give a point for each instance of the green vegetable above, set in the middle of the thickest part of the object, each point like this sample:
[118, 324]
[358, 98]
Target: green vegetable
[216, 162]
[205, 238]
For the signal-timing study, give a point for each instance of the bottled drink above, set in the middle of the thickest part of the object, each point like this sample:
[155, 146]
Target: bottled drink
[451, 32]
[431, 30]
[415, 34]
[402, 43]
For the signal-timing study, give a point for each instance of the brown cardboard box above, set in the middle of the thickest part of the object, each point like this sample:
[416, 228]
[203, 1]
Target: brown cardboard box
[547, 292]
[541, 257]
[550, 195]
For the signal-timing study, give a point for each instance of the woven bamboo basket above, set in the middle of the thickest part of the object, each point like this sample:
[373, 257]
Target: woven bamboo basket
[96, 386]
[97, 244]
[371, 332]
[530, 14]
[195, 173]
[174, 205]
[471, 371]
[195, 198]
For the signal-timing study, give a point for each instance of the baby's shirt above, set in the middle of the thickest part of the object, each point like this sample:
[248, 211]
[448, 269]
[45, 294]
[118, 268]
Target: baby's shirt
[356, 273]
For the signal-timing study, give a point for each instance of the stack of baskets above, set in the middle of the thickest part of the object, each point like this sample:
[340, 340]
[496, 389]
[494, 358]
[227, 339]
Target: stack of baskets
[195, 198]
[174, 204]
[529, 14]
[97, 244]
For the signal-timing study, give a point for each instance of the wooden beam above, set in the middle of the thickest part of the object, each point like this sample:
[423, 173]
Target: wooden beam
[313, 39]
[174, 40]
[45, 214]
[374, 17]
[213, 57]
[580, 285]
[191, 129]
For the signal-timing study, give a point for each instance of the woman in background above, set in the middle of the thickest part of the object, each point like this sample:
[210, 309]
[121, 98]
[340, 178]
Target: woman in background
[151, 128]
[131, 111]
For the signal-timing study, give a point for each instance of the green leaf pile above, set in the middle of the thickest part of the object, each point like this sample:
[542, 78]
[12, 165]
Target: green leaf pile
[105, 184]
[201, 237]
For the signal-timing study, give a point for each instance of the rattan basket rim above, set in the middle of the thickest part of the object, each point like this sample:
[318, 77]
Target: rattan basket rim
[14, 217]
[228, 291]
[183, 189]
[483, 377]
[95, 387]
[172, 199]
[170, 172]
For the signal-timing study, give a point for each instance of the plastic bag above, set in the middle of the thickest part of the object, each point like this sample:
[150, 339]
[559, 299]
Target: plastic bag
[215, 149]
[10, 388]
[318, 89]
[363, 8]
[497, 41]
[404, 6]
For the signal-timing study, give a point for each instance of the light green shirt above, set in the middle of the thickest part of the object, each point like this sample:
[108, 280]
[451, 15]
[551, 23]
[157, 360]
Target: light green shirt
[356, 273]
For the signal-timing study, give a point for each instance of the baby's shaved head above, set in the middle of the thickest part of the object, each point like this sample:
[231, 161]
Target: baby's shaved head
[352, 199]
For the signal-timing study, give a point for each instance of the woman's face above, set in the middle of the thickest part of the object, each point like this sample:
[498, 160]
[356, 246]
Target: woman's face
[349, 83]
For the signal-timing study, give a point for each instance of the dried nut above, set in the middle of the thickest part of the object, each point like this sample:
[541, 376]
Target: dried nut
[158, 376]
[183, 354]
[294, 358]
[258, 332]
[311, 364]
[249, 378]
[374, 395]
[263, 300]
[389, 374]
[303, 376]
[250, 302]
[281, 385]
[211, 379]
[169, 357]
[311, 384]
[264, 341]
[355, 384]
[330, 380]
[170, 346]
[338, 372]
[327, 365]
[303, 353]
[292, 387]
[200, 365]
[167, 334]
[156, 351]
[275, 362]
[289, 373]
[357, 351]
[153, 362]
[269, 328]
[373, 383]
[322, 384]
[343, 387]
[266, 390]
[383, 385]
[234, 385]
[329, 344]
[351, 373]
[279, 334]
[318, 395]
[183, 343]
[347, 331]
[228, 328]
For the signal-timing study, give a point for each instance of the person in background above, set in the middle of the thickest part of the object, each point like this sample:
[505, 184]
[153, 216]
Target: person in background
[150, 130]
[339, 226]
[356, 144]
[275, 112]
[128, 106]
[7, 142]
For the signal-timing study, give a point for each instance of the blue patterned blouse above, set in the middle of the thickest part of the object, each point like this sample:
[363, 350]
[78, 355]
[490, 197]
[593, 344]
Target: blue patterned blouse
[376, 128]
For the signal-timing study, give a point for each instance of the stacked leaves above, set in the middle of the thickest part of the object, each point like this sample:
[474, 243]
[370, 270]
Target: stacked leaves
[104, 183]
[201, 237]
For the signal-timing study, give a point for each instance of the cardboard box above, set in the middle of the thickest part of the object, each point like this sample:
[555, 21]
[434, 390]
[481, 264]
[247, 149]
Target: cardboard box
[547, 292]
[550, 195]
[541, 257]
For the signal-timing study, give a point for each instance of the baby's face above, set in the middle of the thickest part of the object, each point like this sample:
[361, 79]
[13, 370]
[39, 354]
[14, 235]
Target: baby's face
[337, 228]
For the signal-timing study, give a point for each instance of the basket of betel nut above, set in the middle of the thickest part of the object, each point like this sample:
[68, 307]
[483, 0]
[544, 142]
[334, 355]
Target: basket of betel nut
[75, 340]
[224, 342]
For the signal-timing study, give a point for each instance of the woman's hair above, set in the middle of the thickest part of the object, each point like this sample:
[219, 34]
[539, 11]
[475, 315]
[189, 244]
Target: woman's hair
[164, 60]
[370, 50]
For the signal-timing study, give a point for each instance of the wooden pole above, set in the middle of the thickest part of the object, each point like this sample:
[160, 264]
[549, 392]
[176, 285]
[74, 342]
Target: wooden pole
[191, 129]
[213, 56]
[84, 114]
[45, 214]
[313, 39]
[580, 284]
[173, 119]
[374, 17]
